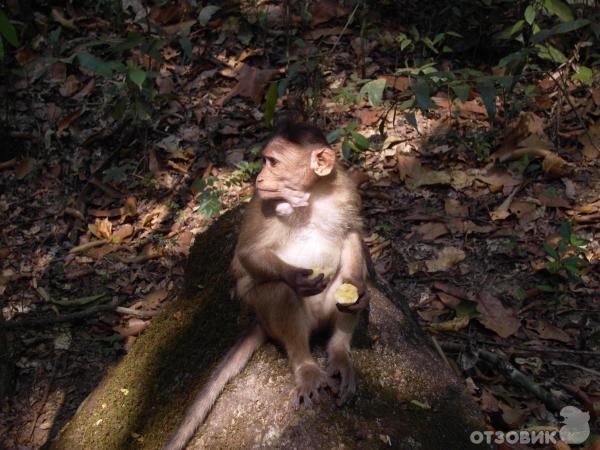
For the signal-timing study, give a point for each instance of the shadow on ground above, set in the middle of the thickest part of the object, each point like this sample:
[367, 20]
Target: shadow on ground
[142, 400]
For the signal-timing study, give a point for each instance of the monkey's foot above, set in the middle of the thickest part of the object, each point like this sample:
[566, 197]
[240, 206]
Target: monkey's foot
[310, 378]
[341, 364]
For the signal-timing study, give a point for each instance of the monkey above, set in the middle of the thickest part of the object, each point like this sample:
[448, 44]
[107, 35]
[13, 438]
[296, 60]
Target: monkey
[305, 213]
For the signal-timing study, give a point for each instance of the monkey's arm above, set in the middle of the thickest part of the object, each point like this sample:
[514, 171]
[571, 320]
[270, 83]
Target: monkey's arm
[264, 265]
[354, 269]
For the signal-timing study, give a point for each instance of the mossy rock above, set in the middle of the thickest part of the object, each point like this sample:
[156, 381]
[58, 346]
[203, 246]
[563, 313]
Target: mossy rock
[407, 398]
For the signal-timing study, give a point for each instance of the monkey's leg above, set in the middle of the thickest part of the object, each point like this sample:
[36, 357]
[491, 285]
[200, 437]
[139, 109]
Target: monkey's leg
[339, 360]
[284, 318]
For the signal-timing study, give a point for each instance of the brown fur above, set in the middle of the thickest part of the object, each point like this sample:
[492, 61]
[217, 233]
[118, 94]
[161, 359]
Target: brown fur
[306, 213]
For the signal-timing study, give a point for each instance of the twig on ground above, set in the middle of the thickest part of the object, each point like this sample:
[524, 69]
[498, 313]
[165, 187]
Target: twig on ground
[577, 366]
[512, 374]
[60, 318]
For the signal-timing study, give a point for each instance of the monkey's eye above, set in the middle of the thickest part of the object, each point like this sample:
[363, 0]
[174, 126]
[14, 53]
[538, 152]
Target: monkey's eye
[271, 161]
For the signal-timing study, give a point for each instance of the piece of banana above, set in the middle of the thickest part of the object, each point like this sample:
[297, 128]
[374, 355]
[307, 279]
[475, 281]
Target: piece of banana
[346, 294]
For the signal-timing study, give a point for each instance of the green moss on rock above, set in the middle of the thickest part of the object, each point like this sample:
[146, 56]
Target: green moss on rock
[141, 401]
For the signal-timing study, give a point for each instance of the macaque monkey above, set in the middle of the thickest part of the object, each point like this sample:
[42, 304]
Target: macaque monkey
[305, 213]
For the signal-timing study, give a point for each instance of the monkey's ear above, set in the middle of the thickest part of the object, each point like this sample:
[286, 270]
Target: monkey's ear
[322, 161]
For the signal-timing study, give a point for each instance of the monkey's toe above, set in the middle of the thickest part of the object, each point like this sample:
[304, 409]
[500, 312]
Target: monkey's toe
[346, 386]
[311, 379]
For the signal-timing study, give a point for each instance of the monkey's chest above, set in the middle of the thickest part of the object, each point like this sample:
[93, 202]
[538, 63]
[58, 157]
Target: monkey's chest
[310, 247]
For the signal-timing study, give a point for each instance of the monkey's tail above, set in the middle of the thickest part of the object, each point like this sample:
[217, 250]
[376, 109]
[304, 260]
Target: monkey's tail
[232, 364]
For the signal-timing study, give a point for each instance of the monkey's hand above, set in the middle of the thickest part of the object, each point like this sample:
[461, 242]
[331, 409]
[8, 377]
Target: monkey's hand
[363, 296]
[302, 284]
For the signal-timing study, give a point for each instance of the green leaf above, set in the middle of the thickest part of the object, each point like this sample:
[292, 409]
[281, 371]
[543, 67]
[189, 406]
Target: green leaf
[270, 103]
[422, 94]
[584, 74]
[94, 64]
[559, 9]
[132, 40]
[550, 250]
[186, 46]
[550, 53]
[7, 30]
[561, 28]
[509, 32]
[137, 76]
[207, 13]
[374, 90]
[565, 231]
[546, 288]
[461, 90]
[411, 118]
[334, 136]
[141, 110]
[529, 14]
[361, 142]
[487, 90]
[466, 309]
[577, 242]
[120, 108]
[346, 149]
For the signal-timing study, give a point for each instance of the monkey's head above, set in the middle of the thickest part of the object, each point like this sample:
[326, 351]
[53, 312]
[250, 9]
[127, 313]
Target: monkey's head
[294, 160]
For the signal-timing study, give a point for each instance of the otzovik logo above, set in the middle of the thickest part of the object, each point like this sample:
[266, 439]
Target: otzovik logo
[576, 428]
[574, 431]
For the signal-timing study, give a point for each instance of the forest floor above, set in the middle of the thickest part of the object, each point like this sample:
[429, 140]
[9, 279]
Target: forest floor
[488, 228]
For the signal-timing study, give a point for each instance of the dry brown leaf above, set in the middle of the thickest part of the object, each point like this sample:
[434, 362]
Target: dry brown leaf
[496, 317]
[526, 125]
[596, 96]
[101, 228]
[458, 226]
[178, 27]
[321, 32]
[58, 16]
[449, 300]
[431, 230]
[398, 83]
[66, 121]
[323, 11]
[468, 109]
[461, 179]
[450, 289]
[548, 331]
[70, 86]
[520, 208]
[24, 167]
[513, 417]
[453, 208]
[368, 116]
[408, 166]
[497, 179]
[429, 314]
[101, 252]
[121, 233]
[447, 258]
[154, 298]
[85, 90]
[553, 200]
[133, 327]
[488, 402]
[252, 83]
[429, 178]
[58, 72]
[4, 253]
[591, 142]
